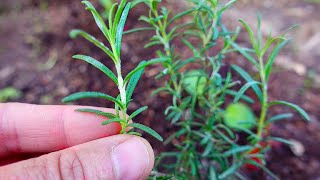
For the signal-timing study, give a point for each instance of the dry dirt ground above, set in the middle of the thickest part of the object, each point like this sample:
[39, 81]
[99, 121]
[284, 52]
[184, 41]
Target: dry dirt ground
[35, 57]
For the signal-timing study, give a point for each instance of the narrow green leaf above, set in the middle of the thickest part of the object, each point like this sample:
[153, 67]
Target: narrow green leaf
[137, 112]
[118, 17]
[99, 66]
[269, 43]
[97, 112]
[245, 54]
[112, 121]
[273, 56]
[293, 106]
[135, 134]
[147, 129]
[111, 13]
[82, 95]
[143, 65]
[138, 30]
[152, 43]
[99, 21]
[265, 169]
[244, 89]
[181, 14]
[236, 150]
[248, 78]
[282, 140]
[231, 170]
[133, 83]
[280, 117]
[259, 34]
[121, 26]
[226, 6]
[242, 97]
[74, 33]
[251, 35]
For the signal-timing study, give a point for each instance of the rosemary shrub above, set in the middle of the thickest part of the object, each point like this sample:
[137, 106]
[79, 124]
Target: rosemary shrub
[209, 128]
[113, 32]
[207, 125]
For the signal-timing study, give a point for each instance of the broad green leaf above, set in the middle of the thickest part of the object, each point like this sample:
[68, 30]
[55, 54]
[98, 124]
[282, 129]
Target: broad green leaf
[133, 82]
[239, 116]
[82, 95]
[146, 129]
[293, 106]
[99, 66]
[74, 33]
[112, 121]
[143, 65]
[272, 57]
[97, 112]
[98, 19]
[280, 117]
[248, 78]
[121, 26]
[244, 89]
[137, 112]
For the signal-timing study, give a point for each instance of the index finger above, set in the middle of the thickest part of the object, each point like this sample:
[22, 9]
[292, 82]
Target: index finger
[26, 128]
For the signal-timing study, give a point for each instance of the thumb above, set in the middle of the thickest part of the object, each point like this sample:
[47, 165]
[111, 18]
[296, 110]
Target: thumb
[114, 157]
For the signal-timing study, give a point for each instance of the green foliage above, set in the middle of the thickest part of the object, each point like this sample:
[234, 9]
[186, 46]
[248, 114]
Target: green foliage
[239, 116]
[206, 140]
[9, 93]
[117, 18]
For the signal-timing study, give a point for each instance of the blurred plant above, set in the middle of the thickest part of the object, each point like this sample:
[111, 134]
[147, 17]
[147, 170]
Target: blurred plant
[107, 5]
[207, 133]
[9, 93]
[113, 33]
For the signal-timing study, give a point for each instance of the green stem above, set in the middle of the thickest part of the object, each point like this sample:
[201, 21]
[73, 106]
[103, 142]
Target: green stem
[264, 105]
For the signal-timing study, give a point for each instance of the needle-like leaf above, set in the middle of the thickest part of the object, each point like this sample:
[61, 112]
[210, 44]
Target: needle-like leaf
[121, 26]
[293, 106]
[147, 130]
[82, 95]
[97, 112]
[99, 66]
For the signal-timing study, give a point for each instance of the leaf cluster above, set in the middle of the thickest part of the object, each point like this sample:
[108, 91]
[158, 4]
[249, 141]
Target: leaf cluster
[113, 33]
[205, 146]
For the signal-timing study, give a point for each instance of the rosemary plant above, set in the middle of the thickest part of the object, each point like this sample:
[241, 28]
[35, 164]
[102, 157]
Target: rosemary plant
[208, 127]
[113, 32]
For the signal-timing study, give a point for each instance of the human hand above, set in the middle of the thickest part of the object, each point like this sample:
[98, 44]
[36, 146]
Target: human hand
[78, 146]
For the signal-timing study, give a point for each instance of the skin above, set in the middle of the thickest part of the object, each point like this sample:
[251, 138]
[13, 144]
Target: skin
[55, 142]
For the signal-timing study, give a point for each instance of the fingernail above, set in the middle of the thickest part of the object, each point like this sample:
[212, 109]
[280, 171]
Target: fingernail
[130, 159]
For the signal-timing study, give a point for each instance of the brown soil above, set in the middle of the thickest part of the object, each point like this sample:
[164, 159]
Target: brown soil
[35, 57]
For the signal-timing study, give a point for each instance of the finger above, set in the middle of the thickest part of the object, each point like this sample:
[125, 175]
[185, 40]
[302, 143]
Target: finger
[26, 128]
[115, 157]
